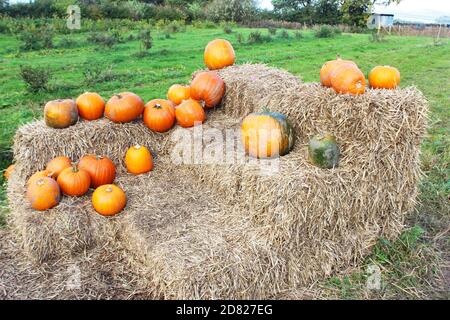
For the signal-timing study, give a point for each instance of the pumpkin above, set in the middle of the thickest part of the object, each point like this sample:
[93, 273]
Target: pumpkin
[267, 134]
[101, 169]
[177, 93]
[208, 87]
[348, 79]
[323, 151]
[9, 171]
[58, 164]
[74, 182]
[43, 194]
[90, 106]
[40, 174]
[159, 115]
[190, 113]
[124, 107]
[384, 77]
[329, 67]
[138, 159]
[219, 54]
[109, 200]
[60, 113]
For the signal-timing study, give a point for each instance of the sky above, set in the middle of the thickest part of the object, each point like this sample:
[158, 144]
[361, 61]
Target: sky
[408, 10]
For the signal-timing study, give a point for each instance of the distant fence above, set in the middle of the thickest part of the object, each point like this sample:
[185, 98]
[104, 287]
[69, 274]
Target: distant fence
[426, 31]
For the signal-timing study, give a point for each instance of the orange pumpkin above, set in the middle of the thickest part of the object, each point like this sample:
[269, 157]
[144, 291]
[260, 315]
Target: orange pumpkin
[43, 194]
[190, 113]
[60, 113]
[208, 87]
[329, 67]
[124, 107]
[90, 106]
[177, 93]
[109, 200]
[159, 115]
[384, 77]
[138, 159]
[40, 174]
[74, 182]
[58, 164]
[219, 54]
[9, 171]
[348, 79]
[101, 169]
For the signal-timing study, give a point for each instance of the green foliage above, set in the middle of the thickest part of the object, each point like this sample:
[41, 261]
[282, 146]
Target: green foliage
[257, 37]
[67, 42]
[35, 37]
[240, 38]
[231, 10]
[324, 31]
[35, 78]
[376, 37]
[356, 12]
[298, 35]
[227, 29]
[146, 41]
[272, 31]
[96, 74]
[105, 40]
[284, 34]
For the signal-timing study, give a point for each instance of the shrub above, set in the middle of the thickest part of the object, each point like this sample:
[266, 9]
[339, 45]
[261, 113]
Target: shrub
[67, 42]
[284, 34]
[36, 78]
[324, 31]
[146, 39]
[231, 10]
[376, 37]
[204, 24]
[103, 39]
[97, 74]
[298, 35]
[36, 38]
[257, 37]
[272, 31]
[227, 29]
[239, 38]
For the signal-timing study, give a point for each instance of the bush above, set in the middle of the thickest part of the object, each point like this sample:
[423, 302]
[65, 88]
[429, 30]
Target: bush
[35, 78]
[272, 31]
[257, 37]
[324, 31]
[146, 39]
[231, 10]
[204, 24]
[239, 38]
[67, 42]
[284, 34]
[376, 37]
[103, 39]
[97, 74]
[298, 35]
[227, 29]
[36, 38]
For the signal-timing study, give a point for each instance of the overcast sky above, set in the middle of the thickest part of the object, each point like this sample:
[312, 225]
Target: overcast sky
[410, 10]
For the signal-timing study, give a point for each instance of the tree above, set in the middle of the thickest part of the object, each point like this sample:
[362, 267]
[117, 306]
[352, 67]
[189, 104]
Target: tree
[327, 12]
[231, 10]
[356, 12]
[294, 10]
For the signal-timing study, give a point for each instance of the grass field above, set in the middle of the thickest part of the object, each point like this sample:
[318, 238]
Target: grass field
[411, 266]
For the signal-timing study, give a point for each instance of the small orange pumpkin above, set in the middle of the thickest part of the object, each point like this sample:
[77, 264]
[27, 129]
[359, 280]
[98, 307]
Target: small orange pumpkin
[109, 200]
[90, 106]
[208, 87]
[329, 67]
[177, 93]
[101, 169]
[348, 79]
[58, 164]
[9, 171]
[43, 194]
[74, 182]
[159, 115]
[384, 77]
[40, 174]
[138, 159]
[190, 113]
[60, 113]
[124, 107]
[219, 54]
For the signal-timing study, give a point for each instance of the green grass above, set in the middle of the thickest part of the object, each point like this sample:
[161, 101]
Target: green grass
[408, 266]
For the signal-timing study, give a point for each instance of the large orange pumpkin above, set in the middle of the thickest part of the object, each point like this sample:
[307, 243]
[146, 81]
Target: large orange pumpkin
[138, 159]
[9, 171]
[58, 164]
[40, 174]
[329, 67]
[348, 79]
[124, 107]
[159, 115]
[74, 182]
[190, 113]
[384, 77]
[208, 87]
[109, 200]
[60, 113]
[43, 194]
[177, 93]
[90, 106]
[101, 169]
[219, 54]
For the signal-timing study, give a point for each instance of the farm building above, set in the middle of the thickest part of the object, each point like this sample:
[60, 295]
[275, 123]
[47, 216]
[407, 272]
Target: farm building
[380, 20]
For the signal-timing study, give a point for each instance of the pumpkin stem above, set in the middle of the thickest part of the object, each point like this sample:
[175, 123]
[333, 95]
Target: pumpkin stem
[157, 106]
[74, 167]
[40, 182]
[118, 95]
[109, 189]
[137, 146]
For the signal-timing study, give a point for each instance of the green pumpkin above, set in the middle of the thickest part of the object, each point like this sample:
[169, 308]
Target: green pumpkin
[324, 151]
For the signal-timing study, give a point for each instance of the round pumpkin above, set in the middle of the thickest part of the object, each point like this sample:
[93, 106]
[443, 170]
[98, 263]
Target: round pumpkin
[40, 174]
[177, 93]
[384, 77]
[9, 171]
[219, 54]
[267, 134]
[60, 113]
[58, 164]
[124, 107]
[109, 200]
[101, 169]
[329, 67]
[138, 159]
[348, 79]
[90, 106]
[159, 115]
[323, 151]
[43, 194]
[190, 113]
[74, 182]
[208, 87]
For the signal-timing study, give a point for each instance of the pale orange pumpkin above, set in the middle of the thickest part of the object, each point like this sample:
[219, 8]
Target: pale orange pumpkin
[138, 159]
[9, 171]
[101, 169]
[124, 107]
[208, 87]
[74, 182]
[40, 174]
[109, 200]
[90, 106]
[177, 93]
[43, 194]
[190, 113]
[329, 67]
[60, 113]
[348, 79]
[58, 164]
[219, 54]
[384, 77]
[159, 115]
